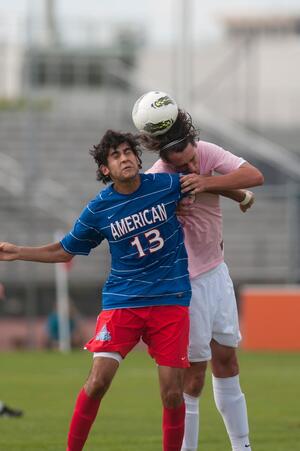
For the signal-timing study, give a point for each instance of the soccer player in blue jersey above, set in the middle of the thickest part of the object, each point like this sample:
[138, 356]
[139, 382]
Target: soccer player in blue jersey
[147, 292]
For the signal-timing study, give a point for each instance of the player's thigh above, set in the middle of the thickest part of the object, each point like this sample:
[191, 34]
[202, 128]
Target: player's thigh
[117, 330]
[167, 335]
[101, 375]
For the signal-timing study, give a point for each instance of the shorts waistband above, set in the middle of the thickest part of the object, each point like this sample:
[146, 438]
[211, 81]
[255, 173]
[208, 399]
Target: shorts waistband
[210, 271]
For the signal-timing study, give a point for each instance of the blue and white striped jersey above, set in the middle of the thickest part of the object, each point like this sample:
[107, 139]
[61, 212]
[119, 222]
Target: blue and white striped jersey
[149, 263]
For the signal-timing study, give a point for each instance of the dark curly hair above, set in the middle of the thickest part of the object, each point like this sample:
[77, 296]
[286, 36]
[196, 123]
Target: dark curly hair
[111, 140]
[182, 130]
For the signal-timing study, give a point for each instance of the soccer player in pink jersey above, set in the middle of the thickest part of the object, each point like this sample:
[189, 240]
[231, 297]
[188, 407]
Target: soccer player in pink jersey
[214, 327]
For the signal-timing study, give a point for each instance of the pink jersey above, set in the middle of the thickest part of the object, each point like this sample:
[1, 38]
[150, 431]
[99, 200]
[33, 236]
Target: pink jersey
[203, 227]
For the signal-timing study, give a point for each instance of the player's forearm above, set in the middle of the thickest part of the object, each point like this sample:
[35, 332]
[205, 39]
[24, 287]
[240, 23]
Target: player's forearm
[238, 195]
[51, 253]
[244, 177]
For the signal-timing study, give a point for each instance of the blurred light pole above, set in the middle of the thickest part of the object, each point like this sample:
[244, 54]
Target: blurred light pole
[50, 24]
[30, 174]
[184, 53]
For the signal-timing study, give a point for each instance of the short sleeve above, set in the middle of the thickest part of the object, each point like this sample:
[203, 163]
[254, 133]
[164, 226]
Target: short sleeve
[176, 186]
[215, 158]
[158, 167]
[84, 236]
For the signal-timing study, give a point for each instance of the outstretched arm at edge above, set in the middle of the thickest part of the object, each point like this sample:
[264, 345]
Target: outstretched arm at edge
[50, 253]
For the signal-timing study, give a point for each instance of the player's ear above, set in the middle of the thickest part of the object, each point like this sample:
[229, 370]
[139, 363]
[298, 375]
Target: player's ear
[104, 169]
[139, 162]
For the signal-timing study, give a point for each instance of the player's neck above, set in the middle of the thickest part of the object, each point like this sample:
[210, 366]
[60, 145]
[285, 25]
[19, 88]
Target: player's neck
[127, 186]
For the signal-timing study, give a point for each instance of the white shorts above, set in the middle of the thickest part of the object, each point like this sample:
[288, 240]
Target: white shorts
[213, 313]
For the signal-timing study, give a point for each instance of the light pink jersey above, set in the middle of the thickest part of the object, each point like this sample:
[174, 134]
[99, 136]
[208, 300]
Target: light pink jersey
[203, 227]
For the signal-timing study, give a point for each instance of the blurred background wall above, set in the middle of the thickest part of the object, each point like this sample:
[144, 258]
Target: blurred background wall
[70, 70]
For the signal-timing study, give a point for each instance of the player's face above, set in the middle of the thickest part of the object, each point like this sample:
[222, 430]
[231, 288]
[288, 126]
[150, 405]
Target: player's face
[122, 164]
[185, 161]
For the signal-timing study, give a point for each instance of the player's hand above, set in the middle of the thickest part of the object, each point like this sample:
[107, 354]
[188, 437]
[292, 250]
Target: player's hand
[8, 251]
[246, 207]
[193, 183]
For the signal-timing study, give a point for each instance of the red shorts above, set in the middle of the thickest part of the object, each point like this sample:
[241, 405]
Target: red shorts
[165, 329]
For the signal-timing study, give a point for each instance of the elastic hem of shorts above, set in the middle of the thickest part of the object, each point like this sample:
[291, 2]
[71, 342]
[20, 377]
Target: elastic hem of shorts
[209, 272]
[108, 355]
[200, 360]
[173, 365]
[219, 338]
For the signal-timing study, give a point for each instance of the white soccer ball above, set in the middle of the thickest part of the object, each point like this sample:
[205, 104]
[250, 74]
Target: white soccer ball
[154, 112]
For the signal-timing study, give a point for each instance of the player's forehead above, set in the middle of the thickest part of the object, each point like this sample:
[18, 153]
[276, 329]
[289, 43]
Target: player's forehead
[123, 147]
[184, 157]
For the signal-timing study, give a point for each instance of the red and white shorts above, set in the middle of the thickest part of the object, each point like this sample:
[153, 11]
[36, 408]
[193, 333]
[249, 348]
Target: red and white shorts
[165, 330]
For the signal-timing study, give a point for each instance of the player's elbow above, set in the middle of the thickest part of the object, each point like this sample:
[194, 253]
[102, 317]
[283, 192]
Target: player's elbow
[68, 258]
[259, 178]
[256, 178]
[65, 257]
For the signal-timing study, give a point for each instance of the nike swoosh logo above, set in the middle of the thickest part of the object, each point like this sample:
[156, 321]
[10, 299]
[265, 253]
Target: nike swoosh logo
[108, 217]
[247, 446]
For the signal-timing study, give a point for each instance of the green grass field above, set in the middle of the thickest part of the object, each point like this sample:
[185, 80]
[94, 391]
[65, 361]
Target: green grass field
[45, 386]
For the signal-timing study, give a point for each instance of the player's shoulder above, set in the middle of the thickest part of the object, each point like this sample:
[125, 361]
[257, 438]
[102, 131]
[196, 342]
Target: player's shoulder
[96, 204]
[160, 179]
[160, 166]
[207, 147]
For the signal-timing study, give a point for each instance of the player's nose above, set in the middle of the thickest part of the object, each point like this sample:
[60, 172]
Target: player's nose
[123, 157]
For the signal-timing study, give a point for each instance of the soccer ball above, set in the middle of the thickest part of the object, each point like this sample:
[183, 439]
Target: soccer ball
[154, 112]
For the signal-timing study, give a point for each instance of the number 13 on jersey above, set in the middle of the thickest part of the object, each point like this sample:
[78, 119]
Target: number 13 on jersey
[155, 242]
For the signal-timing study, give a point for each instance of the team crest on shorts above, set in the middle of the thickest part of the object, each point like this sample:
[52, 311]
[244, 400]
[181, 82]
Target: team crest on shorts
[103, 335]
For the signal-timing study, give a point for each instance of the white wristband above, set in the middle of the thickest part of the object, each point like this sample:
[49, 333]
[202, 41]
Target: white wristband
[247, 198]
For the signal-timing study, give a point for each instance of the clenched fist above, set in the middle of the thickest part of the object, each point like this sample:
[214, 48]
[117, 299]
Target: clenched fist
[8, 251]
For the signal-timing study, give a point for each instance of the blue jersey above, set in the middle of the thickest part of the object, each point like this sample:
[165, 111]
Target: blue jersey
[149, 264]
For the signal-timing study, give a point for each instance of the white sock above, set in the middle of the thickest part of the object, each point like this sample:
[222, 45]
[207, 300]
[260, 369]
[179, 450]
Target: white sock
[191, 428]
[231, 404]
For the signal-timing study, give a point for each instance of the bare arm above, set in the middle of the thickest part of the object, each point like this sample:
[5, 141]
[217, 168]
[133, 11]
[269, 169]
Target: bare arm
[51, 253]
[245, 198]
[244, 177]
[238, 195]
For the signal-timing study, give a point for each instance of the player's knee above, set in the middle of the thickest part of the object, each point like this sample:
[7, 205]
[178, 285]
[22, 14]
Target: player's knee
[172, 398]
[225, 366]
[194, 379]
[193, 385]
[96, 386]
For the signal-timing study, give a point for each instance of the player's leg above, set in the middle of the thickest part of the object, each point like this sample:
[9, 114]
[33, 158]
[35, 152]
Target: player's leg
[89, 398]
[117, 332]
[229, 398]
[171, 391]
[6, 411]
[199, 354]
[194, 379]
[228, 395]
[167, 333]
